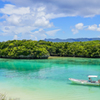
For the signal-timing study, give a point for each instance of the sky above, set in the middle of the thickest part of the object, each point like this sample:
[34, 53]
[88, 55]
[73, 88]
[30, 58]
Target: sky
[40, 19]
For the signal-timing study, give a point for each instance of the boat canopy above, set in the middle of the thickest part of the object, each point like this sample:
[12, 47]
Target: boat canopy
[92, 76]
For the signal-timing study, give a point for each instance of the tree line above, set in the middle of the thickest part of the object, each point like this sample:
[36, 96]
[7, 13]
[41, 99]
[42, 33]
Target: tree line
[43, 49]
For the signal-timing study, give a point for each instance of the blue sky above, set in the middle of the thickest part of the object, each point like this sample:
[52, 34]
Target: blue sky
[40, 19]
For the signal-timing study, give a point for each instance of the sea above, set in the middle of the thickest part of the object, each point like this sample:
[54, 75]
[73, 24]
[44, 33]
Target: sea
[47, 79]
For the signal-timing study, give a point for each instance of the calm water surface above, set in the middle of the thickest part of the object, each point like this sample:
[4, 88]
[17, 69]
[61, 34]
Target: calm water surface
[48, 79]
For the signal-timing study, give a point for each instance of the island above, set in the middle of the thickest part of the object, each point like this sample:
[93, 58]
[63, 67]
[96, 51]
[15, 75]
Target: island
[28, 49]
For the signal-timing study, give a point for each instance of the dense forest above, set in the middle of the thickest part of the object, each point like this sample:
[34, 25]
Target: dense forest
[43, 49]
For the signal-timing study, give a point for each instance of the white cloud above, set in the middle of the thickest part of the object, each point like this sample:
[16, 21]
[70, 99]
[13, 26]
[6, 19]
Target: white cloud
[86, 8]
[52, 32]
[74, 31]
[79, 26]
[40, 34]
[24, 17]
[41, 9]
[12, 9]
[53, 15]
[98, 29]
[42, 21]
[24, 20]
[92, 27]
[33, 37]
[13, 20]
[15, 37]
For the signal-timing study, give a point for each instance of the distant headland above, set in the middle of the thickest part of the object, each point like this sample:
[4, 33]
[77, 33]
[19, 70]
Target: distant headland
[72, 40]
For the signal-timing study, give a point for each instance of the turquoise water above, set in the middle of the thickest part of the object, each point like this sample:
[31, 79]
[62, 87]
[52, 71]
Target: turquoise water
[48, 79]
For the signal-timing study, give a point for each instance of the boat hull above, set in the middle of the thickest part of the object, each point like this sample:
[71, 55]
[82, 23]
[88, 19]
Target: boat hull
[84, 82]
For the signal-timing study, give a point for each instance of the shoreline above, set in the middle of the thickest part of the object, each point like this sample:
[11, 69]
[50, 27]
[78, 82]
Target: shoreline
[51, 57]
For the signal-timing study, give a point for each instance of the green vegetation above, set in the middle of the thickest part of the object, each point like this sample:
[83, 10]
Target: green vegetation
[4, 97]
[42, 49]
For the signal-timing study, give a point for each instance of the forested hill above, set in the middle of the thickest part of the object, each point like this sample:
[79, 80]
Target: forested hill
[72, 40]
[42, 49]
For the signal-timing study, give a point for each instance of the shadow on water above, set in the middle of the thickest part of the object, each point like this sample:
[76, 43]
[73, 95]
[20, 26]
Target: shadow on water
[29, 65]
[22, 65]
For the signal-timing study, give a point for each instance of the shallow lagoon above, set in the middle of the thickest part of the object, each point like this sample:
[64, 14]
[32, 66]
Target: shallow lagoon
[48, 79]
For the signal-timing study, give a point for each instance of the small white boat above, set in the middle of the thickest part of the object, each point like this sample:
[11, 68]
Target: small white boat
[85, 82]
